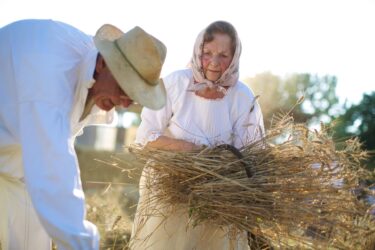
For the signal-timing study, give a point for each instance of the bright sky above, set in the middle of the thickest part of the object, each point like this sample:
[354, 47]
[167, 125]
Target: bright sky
[335, 37]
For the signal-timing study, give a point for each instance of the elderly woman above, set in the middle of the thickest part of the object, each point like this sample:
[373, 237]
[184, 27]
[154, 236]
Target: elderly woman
[206, 105]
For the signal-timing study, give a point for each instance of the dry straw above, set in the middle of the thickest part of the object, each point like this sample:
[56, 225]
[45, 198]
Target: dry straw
[292, 188]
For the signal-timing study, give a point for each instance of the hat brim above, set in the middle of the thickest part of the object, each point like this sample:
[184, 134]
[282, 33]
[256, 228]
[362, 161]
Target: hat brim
[150, 96]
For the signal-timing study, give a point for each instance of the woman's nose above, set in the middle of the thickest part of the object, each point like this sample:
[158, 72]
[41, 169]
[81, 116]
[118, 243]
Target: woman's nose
[215, 61]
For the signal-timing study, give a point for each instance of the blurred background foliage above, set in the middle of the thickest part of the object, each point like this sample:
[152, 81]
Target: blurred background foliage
[321, 105]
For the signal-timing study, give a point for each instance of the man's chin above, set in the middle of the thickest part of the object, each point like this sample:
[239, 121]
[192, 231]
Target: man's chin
[105, 105]
[107, 108]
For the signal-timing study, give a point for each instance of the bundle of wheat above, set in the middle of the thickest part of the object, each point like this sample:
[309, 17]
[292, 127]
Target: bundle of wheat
[292, 187]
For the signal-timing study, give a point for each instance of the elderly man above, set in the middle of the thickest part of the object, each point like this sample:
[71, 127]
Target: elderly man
[54, 80]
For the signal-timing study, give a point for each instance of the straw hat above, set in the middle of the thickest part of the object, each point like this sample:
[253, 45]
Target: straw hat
[135, 59]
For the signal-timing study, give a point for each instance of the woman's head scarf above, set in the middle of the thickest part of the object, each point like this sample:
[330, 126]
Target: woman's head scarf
[227, 79]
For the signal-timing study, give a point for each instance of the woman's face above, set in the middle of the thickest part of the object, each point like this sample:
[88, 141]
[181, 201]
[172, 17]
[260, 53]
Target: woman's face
[217, 56]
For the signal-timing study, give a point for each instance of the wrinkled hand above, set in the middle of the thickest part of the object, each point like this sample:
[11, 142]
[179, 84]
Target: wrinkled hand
[186, 146]
[167, 143]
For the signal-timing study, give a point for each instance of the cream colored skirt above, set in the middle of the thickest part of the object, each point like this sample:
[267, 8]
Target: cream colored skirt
[162, 229]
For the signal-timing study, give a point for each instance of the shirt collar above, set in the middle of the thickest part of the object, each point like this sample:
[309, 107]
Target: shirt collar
[90, 112]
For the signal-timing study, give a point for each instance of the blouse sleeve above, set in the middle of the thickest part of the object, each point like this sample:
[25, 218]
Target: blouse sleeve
[154, 122]
[248, 126]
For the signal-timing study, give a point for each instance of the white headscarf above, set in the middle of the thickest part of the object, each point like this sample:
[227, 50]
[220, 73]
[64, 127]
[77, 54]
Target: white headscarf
[227, 79]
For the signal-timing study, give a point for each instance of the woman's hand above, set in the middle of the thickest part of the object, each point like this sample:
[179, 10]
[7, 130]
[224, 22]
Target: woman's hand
[167, 143]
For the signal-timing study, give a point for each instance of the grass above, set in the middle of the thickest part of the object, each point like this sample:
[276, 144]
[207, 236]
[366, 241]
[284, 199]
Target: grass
[111, 194]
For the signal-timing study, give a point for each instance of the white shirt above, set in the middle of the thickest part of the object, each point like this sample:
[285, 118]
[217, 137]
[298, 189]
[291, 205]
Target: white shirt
[235, 119]
[46, 68]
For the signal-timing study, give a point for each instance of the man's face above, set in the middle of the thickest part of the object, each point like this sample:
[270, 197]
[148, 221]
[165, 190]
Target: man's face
[106, 93]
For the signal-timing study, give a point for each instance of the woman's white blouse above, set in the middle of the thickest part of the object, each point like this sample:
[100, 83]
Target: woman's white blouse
[235, 119]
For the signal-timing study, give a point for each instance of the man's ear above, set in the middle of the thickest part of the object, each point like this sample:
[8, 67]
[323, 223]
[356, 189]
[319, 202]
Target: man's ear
[100, 64]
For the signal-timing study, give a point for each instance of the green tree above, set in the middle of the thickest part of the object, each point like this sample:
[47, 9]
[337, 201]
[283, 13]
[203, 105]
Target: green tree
[279, 95]
[358, 120]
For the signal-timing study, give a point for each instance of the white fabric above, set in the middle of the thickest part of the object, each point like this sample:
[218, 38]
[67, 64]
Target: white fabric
[18, 211]
[235, 119]
[201, 121]
[46, 69]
